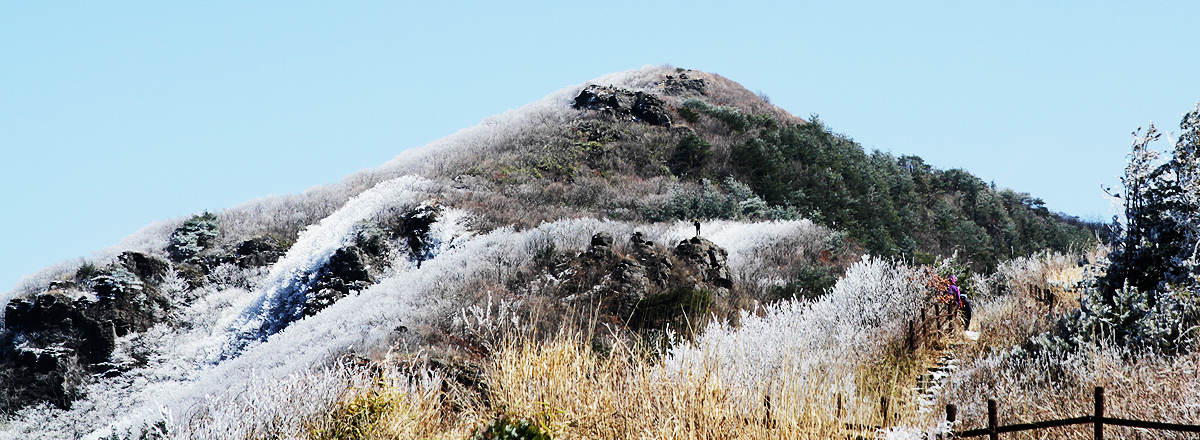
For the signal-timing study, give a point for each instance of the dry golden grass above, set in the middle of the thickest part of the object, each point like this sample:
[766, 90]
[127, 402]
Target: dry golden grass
[574, 392]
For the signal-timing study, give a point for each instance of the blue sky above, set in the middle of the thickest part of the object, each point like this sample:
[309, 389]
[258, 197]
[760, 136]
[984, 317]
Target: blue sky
[114, 115]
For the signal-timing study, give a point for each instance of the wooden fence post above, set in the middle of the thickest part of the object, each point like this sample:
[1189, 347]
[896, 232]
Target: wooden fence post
[924, 327]
[942, 326]
[993, 420]
[1099, 415]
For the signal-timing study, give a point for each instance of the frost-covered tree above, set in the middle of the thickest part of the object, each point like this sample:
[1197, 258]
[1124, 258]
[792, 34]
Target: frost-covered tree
[1157, 244]
[1148, 296]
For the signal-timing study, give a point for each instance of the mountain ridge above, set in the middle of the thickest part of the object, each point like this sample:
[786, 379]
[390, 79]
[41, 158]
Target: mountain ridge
[537, 180]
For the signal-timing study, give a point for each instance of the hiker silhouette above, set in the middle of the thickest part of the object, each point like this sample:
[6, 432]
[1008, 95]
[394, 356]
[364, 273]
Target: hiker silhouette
[961, 300]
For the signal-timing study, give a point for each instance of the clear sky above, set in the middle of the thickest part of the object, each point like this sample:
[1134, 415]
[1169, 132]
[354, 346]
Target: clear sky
[114, 115]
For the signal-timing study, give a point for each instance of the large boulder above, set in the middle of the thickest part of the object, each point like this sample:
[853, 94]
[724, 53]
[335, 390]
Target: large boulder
[708, 259]
[376, 246]
[600, 247]
[146, 267]
[347, 271]
[658, 266]
[643, 286]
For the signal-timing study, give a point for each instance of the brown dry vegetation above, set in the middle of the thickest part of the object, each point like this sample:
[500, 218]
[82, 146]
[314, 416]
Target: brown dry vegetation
[571, 391]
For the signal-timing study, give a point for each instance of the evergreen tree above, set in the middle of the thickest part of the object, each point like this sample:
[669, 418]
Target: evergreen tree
[1148, 297]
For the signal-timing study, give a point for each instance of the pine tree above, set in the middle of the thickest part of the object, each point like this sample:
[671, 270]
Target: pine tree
[1148, 297]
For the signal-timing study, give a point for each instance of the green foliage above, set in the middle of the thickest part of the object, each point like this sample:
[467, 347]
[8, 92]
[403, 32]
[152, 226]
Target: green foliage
[688, 114]
[897, 207]
[506, 428]
[1157, 241]
[923, 258]
[1164, 321]
[679, 308]
[691, 156]
[708, 202]
[357, 418]
[85, 271]
[731, 117]
[545, 254]
[193, 236]
[732, 200]
[812, 282]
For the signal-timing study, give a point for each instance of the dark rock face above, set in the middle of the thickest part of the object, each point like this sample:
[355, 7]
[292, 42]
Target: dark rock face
[658, 267]
[356, 267]
[709, 260]
[414, 230]
[602, 239]
[347, 271]
[51, 343]
[144, 266]
[601, 246]
[623, 103]
[258, 251]
[53, 319]
[678, 85]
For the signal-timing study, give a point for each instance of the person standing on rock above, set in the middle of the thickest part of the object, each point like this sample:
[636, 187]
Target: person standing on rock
[696, 222]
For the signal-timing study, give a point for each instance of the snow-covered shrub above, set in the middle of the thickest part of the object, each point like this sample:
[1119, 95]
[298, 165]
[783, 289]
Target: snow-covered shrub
[193, 236]
[732, 200]
[814, 348]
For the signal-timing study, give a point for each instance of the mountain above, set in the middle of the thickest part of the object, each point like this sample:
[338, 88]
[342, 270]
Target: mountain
[653, 199]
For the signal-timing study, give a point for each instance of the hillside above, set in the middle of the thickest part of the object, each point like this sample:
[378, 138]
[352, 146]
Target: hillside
[574, 212]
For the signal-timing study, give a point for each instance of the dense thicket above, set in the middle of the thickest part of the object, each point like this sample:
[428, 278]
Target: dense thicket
[895, 206]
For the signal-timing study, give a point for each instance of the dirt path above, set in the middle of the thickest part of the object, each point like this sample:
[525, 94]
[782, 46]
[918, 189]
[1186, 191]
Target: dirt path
[946, 362]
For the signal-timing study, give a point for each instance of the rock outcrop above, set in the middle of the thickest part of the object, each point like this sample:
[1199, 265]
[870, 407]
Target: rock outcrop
[348, 271]
[258, 251]
[708, 259]
[682, 83]
[354, 268]
[624, 103]
[53, 341]
[649, 287]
